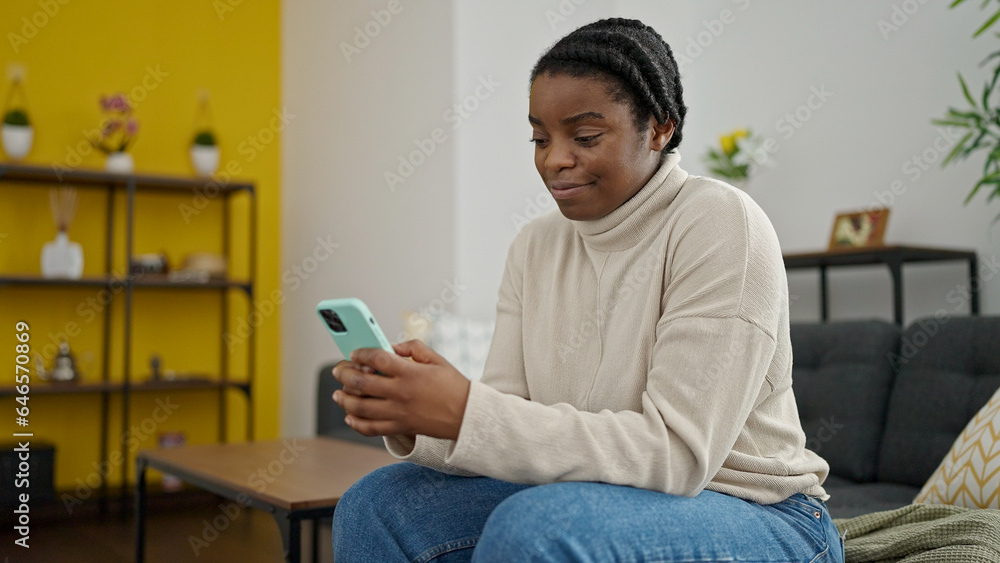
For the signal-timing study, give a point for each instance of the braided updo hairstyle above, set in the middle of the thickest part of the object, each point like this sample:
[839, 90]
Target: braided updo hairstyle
[633, 59]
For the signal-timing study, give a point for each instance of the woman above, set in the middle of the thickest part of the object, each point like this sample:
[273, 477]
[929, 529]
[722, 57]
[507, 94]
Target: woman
[636, 403]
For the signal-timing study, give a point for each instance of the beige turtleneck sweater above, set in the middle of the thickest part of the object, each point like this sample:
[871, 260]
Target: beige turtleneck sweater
[647, 348]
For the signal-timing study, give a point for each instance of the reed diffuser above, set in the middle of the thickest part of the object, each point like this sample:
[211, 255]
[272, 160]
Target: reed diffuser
[62, 258]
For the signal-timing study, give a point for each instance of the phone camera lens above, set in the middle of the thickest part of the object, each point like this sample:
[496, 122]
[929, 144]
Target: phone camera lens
[333, 321]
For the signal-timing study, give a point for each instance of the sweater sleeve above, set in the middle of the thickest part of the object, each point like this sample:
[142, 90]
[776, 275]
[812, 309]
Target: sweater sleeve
[504, 370]
[708, 370]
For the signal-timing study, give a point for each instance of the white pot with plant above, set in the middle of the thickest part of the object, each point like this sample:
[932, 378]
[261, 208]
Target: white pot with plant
[17, 134]
[205, 153]
[118, 132]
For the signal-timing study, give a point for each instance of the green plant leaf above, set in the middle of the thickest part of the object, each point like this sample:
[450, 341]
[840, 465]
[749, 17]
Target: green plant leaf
[965, 115]
[993, 19]
[956, 3]
[950, 122]
[957, 149]
[965, 90]
[991, 179]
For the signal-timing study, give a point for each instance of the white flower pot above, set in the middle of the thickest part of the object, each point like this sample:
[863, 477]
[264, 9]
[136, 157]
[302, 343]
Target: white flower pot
[17, 140]
[205, 159]
[62, 258]
[119, 163]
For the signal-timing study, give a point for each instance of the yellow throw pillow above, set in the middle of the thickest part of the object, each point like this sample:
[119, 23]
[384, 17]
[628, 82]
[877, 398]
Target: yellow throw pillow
[969, 476]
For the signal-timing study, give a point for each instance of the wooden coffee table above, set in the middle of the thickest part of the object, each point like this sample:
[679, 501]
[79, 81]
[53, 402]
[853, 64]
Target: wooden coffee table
[293, 479]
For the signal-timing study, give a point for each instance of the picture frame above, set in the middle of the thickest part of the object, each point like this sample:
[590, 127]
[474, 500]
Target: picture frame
[859, 229]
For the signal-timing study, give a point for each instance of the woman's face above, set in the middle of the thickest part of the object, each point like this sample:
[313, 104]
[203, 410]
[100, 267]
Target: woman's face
[587, 148]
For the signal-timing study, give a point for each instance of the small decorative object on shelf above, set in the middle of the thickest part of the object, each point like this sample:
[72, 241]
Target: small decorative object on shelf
[16, 131]
[62, 258]
[860, 229]
[117, 133]
[200, 267]
[204, 148]
[149, 264]
[738, 156]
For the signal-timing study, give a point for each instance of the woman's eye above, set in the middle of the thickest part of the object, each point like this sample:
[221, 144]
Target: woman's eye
[586, 140]
[538, 142]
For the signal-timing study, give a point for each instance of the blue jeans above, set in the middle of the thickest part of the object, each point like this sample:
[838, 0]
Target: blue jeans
[405, 512]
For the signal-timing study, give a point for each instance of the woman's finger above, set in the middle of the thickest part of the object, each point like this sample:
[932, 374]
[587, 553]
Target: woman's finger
[420, 352]
[367, 427]
[364, 407]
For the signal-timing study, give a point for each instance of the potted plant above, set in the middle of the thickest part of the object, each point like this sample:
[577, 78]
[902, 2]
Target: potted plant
[17, 133]
[205, 153]
[117, 133]
[736, 158]
[980, 122]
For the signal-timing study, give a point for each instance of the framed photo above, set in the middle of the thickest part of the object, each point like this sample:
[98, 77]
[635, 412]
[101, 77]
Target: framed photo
[859, 229]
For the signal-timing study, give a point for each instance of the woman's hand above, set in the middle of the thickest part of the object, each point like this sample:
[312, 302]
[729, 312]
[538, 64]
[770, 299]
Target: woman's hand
[424, 396]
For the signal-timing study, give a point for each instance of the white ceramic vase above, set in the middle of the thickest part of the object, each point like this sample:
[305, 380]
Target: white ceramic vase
[205, 159]
[119, 163]
[17, 140]
[62, 258]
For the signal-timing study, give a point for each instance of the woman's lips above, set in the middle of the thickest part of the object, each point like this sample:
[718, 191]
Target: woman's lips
[565, 190]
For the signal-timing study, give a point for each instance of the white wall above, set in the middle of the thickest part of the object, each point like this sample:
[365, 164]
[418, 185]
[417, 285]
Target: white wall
[752, 70]
[450, 223]
[355, 120]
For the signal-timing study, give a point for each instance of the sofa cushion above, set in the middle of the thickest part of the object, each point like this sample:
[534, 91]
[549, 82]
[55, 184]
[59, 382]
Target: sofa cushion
[841, 377]
[849, 499]
[969, 475]
[948, 369]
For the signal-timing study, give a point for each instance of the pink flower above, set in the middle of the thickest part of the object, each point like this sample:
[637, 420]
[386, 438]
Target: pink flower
[115, 102]
[132, 126]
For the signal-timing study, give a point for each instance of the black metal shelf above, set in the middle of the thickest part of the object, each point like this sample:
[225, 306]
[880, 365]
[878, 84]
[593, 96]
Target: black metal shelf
[73, 388]
[83, 177]
[155, 281]
[130, 187]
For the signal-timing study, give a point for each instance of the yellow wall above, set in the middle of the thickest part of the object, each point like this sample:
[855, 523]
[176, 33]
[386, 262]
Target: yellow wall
[161, 54]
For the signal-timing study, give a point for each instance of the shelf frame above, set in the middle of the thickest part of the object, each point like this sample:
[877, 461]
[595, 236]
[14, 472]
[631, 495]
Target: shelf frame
[129, 185]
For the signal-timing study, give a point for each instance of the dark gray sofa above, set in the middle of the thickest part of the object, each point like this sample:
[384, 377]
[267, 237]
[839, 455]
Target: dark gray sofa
[883, 407]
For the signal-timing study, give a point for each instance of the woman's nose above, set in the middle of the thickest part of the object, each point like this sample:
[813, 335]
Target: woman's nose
[560, 156]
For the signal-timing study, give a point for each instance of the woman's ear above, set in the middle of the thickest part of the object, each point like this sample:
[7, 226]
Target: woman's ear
[662, 133]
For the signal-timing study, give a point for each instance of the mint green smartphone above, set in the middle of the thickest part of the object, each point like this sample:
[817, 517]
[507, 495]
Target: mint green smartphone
[352, 325]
